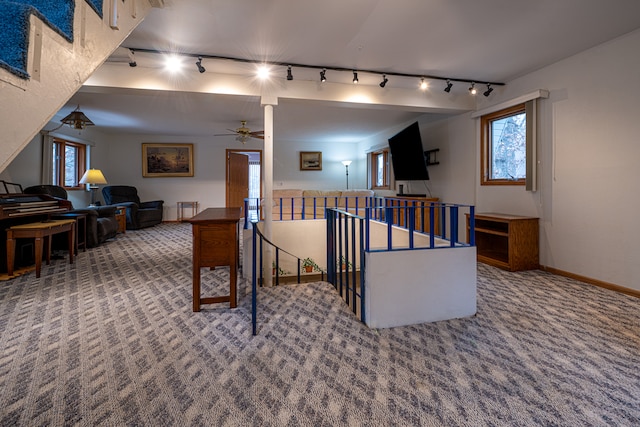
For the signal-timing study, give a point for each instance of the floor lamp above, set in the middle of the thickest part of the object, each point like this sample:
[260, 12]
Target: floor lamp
[93, 177]
[346, 164]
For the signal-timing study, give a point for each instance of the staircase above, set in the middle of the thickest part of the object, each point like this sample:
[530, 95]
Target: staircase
[48, 49]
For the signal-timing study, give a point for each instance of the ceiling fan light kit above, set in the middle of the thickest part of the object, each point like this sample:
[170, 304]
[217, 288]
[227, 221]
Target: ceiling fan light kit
[243, 133]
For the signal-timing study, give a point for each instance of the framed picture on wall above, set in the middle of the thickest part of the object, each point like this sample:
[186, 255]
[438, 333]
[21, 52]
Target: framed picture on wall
[310, 160]
[167, 160]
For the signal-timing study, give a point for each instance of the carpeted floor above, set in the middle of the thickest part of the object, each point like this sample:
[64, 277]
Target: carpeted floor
[111, 340]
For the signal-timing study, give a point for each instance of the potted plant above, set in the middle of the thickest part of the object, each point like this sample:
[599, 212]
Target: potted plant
[343, 264]
[309, 265]
[281, 272]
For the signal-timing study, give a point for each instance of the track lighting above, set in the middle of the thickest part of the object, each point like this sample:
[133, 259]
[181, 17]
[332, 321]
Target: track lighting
[132, 59]
[201, 69]
[173, 63]
[264, 69]
[263, 72]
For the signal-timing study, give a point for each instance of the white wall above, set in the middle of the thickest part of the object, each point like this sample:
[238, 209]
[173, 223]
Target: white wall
[588, 155]
[287, 173]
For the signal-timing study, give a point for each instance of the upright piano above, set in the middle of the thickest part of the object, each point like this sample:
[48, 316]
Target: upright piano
[18, 209]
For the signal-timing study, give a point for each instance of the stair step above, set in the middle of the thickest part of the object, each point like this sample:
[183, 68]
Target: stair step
[14, 27]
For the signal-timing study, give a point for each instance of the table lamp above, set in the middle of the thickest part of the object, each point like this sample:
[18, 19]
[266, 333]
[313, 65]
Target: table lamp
[93, 177]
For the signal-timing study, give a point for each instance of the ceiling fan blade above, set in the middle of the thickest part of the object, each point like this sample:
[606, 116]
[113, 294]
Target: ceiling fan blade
[225, 134]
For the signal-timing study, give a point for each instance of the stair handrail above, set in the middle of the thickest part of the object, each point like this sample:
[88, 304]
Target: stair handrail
[254, 282]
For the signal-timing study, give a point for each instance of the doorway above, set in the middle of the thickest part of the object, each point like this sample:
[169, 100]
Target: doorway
[244, 179]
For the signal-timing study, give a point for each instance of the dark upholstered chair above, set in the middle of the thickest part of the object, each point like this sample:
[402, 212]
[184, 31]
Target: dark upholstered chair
[139, 214]
[101, 220]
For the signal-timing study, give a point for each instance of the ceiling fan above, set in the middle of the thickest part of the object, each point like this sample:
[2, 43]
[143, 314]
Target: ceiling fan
[243, 133]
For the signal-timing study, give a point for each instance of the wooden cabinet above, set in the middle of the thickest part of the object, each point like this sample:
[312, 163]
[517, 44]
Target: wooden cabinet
[506, 241]
[422, 211]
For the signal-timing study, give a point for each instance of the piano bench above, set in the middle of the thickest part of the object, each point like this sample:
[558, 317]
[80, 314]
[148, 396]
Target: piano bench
[40, 232]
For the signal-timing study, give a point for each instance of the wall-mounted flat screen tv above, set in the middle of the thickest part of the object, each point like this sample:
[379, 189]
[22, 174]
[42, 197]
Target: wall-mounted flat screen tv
[407, 155]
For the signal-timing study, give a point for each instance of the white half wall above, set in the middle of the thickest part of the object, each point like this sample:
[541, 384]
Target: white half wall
[411, 287]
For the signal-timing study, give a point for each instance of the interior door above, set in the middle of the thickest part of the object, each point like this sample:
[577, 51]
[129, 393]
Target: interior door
[237, 179]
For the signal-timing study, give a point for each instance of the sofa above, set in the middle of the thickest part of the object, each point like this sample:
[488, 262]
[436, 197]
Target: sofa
[102, 224]
[139, 214]
[287, 203]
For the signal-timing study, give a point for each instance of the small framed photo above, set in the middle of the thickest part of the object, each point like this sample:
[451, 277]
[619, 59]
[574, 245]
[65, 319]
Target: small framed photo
[167, 160]
[311, 160]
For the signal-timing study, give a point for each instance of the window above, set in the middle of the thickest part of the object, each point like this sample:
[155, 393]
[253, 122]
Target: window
[504, 146]
[68, 164]
[379, 169]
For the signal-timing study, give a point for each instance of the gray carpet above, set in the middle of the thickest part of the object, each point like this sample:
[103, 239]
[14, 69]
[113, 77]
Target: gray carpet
[111, 340]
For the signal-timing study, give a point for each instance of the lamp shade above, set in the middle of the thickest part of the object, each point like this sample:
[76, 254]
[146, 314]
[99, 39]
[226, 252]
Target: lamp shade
[77, 119]
[346, 162]
[93, 176]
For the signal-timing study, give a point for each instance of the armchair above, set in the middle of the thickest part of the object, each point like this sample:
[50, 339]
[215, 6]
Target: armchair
[139, 214]
[101, 221]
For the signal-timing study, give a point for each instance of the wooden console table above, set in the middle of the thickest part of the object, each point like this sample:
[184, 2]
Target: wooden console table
[40, 231]
[216, 243]
[506, 241]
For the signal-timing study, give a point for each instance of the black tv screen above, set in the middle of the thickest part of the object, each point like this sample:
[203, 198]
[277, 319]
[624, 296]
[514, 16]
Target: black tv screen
[407, 155]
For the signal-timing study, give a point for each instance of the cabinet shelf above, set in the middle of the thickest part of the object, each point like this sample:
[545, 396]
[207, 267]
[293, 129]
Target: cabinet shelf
[506, 241]
[486, 230]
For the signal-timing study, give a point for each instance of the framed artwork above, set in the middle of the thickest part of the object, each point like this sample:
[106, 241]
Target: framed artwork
[167, 160]
[311, 160]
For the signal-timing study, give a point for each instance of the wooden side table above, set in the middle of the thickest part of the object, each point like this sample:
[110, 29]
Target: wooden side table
[182, 205]
[40, 232]
[121, 217]
[81, 228]
[216, 243]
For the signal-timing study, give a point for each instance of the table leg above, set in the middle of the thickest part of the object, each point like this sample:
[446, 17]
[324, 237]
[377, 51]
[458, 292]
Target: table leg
[38, 244]
[233, 300]
[11, 252]
[72, 242]
[48, 239]
[196, 286]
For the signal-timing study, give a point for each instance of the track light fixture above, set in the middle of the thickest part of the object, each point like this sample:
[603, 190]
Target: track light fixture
[423, 84]
[201, 69]
[472, 89]
[132, 59]
[264, 70]
[489, 90]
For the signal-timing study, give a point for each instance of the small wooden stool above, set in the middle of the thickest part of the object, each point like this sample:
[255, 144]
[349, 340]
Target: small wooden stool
[182, 205]
[39, 231]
